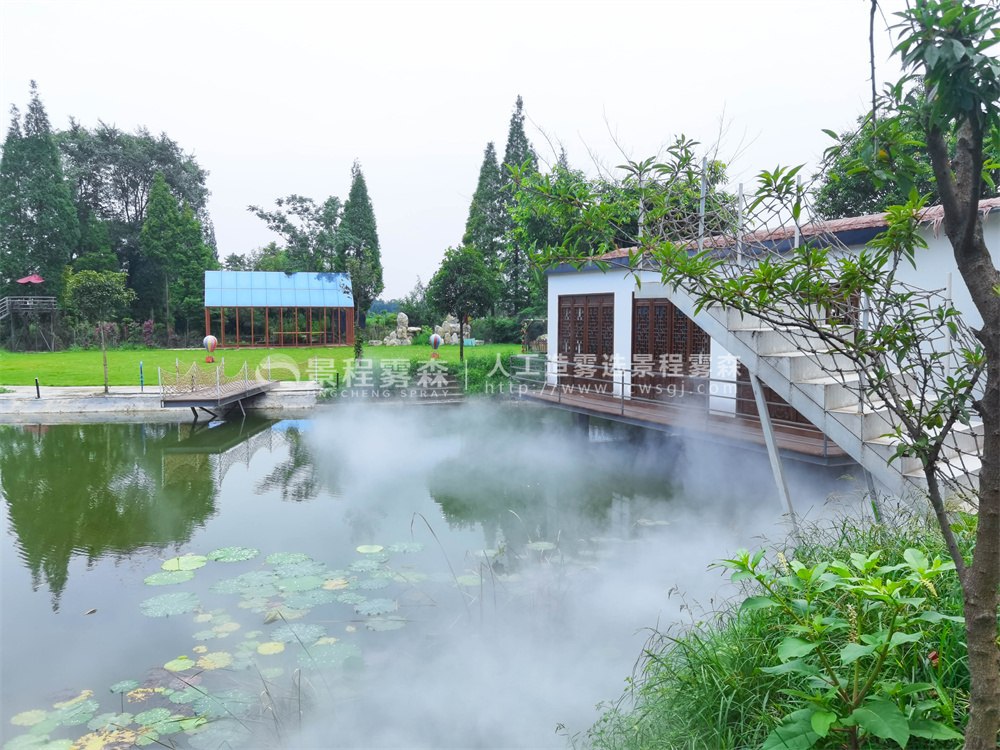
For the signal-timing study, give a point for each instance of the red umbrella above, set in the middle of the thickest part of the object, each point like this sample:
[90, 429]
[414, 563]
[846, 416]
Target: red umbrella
[33, 279]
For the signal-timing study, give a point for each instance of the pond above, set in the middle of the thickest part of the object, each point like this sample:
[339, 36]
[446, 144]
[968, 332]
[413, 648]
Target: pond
[390, 577]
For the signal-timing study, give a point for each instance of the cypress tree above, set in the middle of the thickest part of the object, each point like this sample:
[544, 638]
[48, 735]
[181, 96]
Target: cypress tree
[39, 230]
[357, 240]
[485, 227]
[515, 257]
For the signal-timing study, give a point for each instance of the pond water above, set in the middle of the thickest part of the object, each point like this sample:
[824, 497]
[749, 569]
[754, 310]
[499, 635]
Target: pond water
[396, 577]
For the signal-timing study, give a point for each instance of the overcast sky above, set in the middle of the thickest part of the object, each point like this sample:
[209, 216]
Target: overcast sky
[276, 98]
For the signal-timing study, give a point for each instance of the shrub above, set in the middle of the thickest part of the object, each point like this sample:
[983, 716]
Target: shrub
[497, 330]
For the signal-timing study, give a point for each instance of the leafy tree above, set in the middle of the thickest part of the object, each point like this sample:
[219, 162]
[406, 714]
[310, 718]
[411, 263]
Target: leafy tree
[94, 252]
[463, 286]
[487, 222]
[515, 261]
[416, 306]
[357, 239]
[112, 173]
[99, 298]
[309, 231]
[38, 223]
[158, 239]
[267, 258]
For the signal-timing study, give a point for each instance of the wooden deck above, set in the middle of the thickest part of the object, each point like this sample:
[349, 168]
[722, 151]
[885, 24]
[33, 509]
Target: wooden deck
[212, 396]
[199, 388]
[795, 441]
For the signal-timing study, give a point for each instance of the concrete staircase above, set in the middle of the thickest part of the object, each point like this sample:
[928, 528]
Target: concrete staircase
[823, 387]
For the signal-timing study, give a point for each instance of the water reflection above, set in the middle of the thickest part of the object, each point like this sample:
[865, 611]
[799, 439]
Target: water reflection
[108, 490]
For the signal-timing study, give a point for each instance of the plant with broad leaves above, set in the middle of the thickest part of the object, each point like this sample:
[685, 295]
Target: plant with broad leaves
[844, 623]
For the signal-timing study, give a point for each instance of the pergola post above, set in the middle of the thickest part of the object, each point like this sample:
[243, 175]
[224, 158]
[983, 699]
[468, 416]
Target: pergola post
[222, 334]
[208, 323]
[237, 327]
[350, 326]
[281, 326]
[251, 328]
[310, 326]
[267, 321]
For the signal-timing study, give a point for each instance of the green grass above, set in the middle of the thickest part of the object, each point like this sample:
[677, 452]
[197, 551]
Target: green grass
[83, 368]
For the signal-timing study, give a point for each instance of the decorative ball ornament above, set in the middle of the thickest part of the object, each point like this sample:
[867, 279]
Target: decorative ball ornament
[210, 343]
[436, 341]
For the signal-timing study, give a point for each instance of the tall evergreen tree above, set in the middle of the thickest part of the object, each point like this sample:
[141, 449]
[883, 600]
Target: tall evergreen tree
[516, 265]
[39, 230]
[357, 239]
[485, 227]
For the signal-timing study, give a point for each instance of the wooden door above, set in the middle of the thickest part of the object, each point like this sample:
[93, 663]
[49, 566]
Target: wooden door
[587, 341]
[671, 354]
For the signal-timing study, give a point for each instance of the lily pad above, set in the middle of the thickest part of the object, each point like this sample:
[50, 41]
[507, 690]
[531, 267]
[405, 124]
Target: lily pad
[200, 649]
[25, 741]
[48, 726]
[180, 664]
[227, 627]
[406, 547]
[168, 577]
[305, 632]
[333, 655]
[215, 660]
[374, 607]
[540, 546]
[225, 704]
[380, 625]
[283, 613]
[78, 713]
[219, 734]
[469, 580]
[365, 564]
[164, 605]
[185, 562]
[351, 598]
[29, 718]
[109, 721]
[309, 599]
[272, 673]
[203, 617]
[187, 695]
[299, 569]
[233, 554]
[370, 584]
[205, 635]
[271, 647]
[409, 577]
[152, 716]
[280, 558]
[335, 584]
[370, 549]
[303, 583]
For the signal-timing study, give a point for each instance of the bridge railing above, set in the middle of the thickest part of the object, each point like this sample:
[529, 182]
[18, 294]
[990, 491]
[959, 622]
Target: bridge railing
[207, 382]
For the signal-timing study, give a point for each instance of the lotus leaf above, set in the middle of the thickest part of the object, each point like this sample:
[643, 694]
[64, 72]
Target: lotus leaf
[177, 723]
[259, 591]
[28, 718]
[152, 716]
[78, 713]
[309, 599]
[98, 740]
[380, 625]
[303, 583]
[370, 549]
[253, 634]
[326, 640]
[365, 564]
[332, 655]
[337, 574]
[410, 577]
[284, 613]
[405, 547]
[185, 562]
[254, 605]
[382, 573]
[299, 569]
[187, 695]
[374, 607]
[248, 646]
[140, 694]
[84, 694]
[219, 734]
[272, 673]
[304, 632]
[123, 686]
[110, 720]
[180, 664]
[224, 704]
[350, 629]
[200, 649]
[280, 558]
[167, 577]
[205, 635]
[372, 584]
[50, 724]
[540, 546]
[147, 736]
[227, 627]
[164, 605]
[351, 598]
[203, 617]
[24, 741]
[271, 647]
[335, 584]
[233, 554]
[215, 660]
[469, 580]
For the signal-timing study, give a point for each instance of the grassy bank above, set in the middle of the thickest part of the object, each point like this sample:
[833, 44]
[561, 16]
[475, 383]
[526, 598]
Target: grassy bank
[85, 368]
[733, 681]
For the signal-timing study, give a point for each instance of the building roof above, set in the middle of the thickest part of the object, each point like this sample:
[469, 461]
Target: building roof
[277, 289]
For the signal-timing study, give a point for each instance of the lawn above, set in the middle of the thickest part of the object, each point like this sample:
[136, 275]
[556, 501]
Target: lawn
[71, 368]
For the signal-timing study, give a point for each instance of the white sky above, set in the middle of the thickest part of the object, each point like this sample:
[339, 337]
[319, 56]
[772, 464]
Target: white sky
[276, 98]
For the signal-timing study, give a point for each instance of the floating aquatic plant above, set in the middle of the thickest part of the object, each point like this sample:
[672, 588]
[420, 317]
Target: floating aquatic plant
[272, 673]
[335, 584]
[469, 580]
[540, 546]
[168, 577]
[332, 655]
[233, 554]
[374, 607]
[304, 632]
[224, 704]
[205, 635]
[309, 599]
[284, 613]
[185, 562]
[109, 720]
[29, 718]
[218, 734]
[299, 569]
[180, 664]
[215, 660]
[370, 549]
[371, 584]
[123, 686]
[380, 625]
[351, 598]
[164, 605]
[227, 627]
[200, 649]
[302, 583]
[271, 647]
[365, 564]
[187, 695]
[409, 577]
[153, 716]
[78, 713]
[203, 617]
[280, 558]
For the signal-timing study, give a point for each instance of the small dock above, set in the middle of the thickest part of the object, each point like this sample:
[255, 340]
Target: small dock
[210, 388]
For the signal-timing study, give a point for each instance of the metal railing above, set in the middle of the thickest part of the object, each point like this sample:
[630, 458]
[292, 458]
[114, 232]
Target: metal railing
[10, 305]
[208, 383]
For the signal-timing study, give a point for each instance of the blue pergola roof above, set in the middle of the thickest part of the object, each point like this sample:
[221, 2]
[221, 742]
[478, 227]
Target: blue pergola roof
[276, 289]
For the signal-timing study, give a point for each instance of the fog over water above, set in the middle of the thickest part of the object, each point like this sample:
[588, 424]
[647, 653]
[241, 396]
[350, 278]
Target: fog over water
[526, 663]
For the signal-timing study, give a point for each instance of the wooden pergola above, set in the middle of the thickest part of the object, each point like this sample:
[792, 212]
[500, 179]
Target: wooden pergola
[319, 307]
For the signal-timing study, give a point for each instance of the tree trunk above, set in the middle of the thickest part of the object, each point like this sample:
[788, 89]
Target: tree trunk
[104, 354]
[461, 338]
[166, 284]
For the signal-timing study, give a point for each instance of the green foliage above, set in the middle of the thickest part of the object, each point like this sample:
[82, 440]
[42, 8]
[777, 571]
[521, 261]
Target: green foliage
[497, 330]
[463, 285]
[515, 262]
[39, 230]
[357, 239]
[99, 297]
[309, 231]
[487, 222]
[416, 306]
